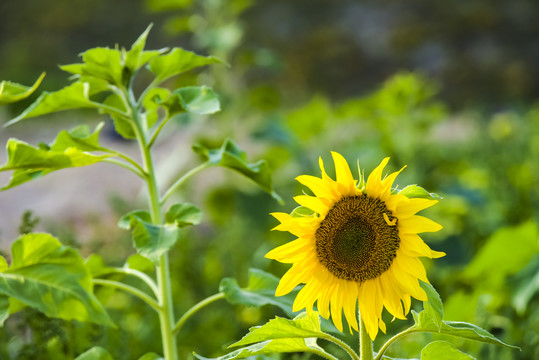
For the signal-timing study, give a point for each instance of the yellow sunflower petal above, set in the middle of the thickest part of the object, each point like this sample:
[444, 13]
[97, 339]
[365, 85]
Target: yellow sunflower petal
[318, 186]
[374, 182]
[292, 278]
[408, 282]
[392, 296]
[367, 309]
[325, 297]
[413, 245]
[345, 180]
[350, 305]
[313, 203]
[387, 183]
[307, 296]
[294, 248]
[412, 266]
[336, 304]
[417, 224]
[409, 208]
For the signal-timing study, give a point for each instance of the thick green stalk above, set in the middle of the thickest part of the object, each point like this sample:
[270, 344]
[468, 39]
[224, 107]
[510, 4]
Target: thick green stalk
[166, 313]
[365, 343]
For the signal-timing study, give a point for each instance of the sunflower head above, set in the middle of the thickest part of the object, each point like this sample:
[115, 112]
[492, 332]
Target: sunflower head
[359, 247]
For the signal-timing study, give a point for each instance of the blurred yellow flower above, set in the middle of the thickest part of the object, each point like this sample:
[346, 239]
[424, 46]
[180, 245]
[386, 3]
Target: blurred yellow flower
[359, 246]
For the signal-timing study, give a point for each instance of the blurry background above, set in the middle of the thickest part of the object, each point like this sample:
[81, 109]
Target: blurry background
[449, 90]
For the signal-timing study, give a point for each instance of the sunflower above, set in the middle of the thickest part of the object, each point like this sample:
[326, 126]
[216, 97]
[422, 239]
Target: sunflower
[360, 245]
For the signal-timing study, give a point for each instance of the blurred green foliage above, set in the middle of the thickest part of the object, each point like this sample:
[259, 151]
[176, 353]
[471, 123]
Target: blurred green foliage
[291, 94]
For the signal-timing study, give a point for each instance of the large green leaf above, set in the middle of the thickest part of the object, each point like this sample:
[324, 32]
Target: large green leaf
[198, 99]
[11, 92]
[229, 155]
[4, 309]
[74, 96]
[280, 335]
[28, 162]
[51, 278]
[260, 291]
[178, 61]
[433, 307]
[95, 353]
[442, 350]
[425, 323]
[150, 240]
[493, 262]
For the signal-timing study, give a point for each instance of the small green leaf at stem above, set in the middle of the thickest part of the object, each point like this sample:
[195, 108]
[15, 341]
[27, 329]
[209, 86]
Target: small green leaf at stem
[433, 307]
[51, 278]
[11, 92]
[74, 96]
[229, 155]
[95, 264]
[416, 191]
[178, 61]
[149, 240]
[122, 125]
[198, 99]
[442, 350]
[95, 353]
[260, 291]
[140, 263]
[183, 214]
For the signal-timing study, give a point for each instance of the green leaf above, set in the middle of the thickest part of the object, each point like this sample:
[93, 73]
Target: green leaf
[4, 309]
[230, 156]
[133, 56]
[29, 163]
[260, 291]
[280, 335]
[125, 221]
[178, 61]
[122, 124]
[416, 191]
[101, 63]
[153, 100]
[74, 96]
[183, 214]
[12, 92]
[425, 323]
[96, 266]
[151, 356]
[198, 99]
[51, 278]
[301, 211]
[493, 263]
[151, 240]
[433, 307]
[140, 263]
[442, 350]
[527, 285]
[95, 353]
[80, 138]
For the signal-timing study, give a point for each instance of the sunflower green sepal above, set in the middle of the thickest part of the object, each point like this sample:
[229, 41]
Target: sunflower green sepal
[280, 335]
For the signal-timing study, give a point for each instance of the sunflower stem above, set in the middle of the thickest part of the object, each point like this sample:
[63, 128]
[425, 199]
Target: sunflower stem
[365, 343]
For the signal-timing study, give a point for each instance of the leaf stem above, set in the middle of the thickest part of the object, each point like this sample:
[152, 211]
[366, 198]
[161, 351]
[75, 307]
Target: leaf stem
[365, 343]
[148, 280]
[181, 180]
[196, 308]
[390, 341]
[125, 165]
[323, 354]
[130, 289]
[342, 344]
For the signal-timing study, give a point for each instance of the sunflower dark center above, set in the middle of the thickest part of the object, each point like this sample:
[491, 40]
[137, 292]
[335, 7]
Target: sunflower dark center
[354, 241]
